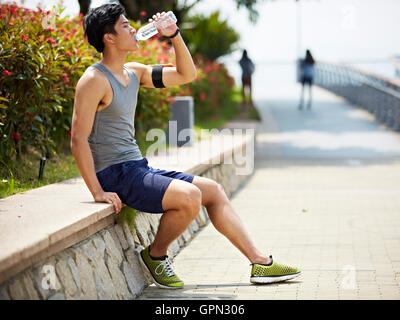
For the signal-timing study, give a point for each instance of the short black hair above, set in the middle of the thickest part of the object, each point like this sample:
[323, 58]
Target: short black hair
[99, 21]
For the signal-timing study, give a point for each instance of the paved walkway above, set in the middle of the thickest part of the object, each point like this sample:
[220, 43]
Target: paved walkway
[325, 196]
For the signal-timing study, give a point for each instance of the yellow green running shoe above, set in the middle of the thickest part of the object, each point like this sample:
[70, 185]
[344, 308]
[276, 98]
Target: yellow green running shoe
[272, 272]
[160, 271]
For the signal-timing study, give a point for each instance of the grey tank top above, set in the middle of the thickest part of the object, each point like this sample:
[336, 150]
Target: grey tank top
[112, 139]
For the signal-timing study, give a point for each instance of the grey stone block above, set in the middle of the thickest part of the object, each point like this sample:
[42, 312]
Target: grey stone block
[3, 293]
[85, 273]
[180, 126]
[111, 248]
[57, 296]
[133, 262]
[119, 231]
[102, 278]
[67, 279]
[118, 280]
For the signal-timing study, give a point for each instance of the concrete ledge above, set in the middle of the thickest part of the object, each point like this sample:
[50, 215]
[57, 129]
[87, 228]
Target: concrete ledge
[58, 234]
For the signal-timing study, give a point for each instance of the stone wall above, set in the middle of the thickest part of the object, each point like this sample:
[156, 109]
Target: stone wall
[106, 265]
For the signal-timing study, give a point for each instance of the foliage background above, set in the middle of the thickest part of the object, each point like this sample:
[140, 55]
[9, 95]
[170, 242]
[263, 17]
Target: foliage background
[40, 64]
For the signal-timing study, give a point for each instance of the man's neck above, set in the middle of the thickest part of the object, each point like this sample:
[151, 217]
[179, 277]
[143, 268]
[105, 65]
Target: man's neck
[114, 61]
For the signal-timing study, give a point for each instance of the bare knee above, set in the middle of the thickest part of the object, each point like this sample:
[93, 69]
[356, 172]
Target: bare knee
[216, 193]
[191, 201]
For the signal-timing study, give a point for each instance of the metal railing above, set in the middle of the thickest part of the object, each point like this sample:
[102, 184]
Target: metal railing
[376, 94]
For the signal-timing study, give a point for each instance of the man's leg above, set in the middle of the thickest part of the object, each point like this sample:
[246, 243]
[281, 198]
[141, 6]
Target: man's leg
[225, 219]
[181, 203]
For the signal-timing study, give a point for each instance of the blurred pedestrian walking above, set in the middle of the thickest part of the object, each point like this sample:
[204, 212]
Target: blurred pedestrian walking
[248, 69]
[306, 77]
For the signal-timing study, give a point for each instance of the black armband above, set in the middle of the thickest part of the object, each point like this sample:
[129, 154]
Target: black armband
[156, 76]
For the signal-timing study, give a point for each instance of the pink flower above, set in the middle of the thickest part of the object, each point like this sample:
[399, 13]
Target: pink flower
[69, 133]
[202, 96]
[11, 23]
[51, 40]
[32, 18]
[24, 37]
[143, 13]
[66, 79]
[50, 29]
[69, 53]
[6, 73]
[66, 38]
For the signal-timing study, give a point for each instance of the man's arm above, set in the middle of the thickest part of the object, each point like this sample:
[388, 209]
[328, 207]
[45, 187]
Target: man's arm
[184, 72]
[88, 95]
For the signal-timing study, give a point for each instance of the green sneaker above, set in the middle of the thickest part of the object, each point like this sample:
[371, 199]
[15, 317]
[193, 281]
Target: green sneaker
[273, 272]
[161, 271]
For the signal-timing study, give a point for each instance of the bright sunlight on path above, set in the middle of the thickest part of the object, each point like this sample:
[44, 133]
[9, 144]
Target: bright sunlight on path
[325, 197]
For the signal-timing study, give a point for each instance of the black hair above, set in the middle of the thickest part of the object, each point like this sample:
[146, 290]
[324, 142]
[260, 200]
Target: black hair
[309, 58]
[99, 21]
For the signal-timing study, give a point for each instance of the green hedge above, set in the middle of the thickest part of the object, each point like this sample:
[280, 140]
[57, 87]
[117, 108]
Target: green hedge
[40, 66]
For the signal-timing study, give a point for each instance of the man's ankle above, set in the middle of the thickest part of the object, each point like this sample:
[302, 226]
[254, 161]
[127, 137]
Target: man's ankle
[262, 260]
[156, 255]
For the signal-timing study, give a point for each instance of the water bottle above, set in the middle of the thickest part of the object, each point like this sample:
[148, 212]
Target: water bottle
[150, 29]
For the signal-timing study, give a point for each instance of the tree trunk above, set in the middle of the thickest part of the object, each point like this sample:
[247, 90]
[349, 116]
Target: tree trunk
[84, 6]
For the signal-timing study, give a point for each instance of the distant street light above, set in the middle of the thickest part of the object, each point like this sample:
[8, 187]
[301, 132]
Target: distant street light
[298, 19]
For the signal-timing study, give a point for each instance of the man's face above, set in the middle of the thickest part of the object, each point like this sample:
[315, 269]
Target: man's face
[124, 39]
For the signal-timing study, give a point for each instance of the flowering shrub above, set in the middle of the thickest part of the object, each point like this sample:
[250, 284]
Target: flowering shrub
[211, 89]
[40, 65]
[39, 68]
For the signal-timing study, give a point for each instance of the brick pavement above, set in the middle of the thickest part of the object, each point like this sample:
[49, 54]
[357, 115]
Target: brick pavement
[330, 206]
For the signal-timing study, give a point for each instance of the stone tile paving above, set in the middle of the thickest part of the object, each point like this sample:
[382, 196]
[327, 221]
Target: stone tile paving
[335, 215]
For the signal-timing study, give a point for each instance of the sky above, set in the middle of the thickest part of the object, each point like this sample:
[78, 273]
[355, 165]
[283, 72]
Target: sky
[360, 31]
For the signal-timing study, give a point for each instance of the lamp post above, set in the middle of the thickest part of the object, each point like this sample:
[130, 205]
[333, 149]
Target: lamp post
[298, 49]
[298, 20]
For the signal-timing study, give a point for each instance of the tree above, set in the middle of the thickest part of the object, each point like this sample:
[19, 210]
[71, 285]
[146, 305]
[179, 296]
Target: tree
[210, 36]
[134, 8]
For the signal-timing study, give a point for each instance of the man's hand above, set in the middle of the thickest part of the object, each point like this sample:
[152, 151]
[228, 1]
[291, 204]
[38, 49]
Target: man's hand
[170, 30]
[109, 197]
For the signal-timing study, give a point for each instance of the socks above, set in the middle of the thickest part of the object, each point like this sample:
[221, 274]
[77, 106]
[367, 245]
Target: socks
[157, 258]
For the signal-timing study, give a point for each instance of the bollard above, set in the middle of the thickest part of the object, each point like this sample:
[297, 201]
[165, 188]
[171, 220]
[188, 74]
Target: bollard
[180, 126]
[41, 168]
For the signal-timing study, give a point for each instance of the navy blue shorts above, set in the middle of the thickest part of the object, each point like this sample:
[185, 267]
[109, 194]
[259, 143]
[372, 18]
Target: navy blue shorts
[139, 186]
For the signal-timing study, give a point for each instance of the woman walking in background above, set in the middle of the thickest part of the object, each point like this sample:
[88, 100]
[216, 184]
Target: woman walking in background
[307, 75]
[247, 70]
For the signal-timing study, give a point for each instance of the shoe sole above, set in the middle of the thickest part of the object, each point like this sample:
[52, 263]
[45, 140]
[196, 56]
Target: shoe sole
[274, 279]
[150, 277]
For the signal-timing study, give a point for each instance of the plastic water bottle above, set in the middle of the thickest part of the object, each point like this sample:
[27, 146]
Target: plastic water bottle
[150, 29]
